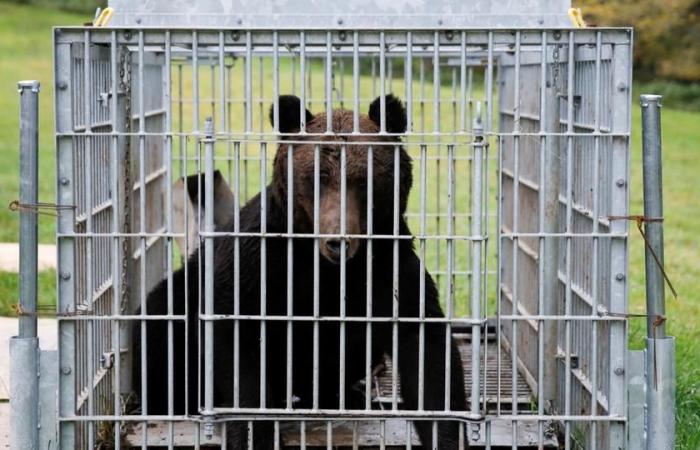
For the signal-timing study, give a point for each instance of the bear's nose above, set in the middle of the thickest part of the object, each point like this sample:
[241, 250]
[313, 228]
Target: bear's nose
[333, 247]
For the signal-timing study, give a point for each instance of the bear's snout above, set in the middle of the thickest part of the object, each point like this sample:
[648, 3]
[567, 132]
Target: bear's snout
[331, 247]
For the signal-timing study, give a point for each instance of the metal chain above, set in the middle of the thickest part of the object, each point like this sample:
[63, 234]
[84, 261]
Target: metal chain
[125, 81]
[555, 69]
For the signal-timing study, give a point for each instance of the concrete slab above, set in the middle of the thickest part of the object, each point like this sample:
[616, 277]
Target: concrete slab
[9, 257]
[48, 338]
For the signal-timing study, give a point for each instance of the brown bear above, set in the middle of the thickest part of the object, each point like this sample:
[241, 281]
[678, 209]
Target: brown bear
[313, 150]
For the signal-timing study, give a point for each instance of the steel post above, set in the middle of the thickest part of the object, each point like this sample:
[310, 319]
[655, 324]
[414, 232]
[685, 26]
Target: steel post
[24, 349]
[660, 351]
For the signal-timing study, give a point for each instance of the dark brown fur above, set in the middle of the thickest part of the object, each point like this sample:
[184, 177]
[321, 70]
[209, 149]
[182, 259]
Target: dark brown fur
[386, 291]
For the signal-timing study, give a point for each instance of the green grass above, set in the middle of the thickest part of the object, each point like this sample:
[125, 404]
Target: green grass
[9, 292]
[25, 52]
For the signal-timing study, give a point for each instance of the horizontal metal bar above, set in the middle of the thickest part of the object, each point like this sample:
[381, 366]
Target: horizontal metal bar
[95, 210]
[248, 135]
[151, 177]
[289, 36]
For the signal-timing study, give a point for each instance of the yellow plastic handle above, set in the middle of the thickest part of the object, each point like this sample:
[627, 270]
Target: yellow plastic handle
[104, 17]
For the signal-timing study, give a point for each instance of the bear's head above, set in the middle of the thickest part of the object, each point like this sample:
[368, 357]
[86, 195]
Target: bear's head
[329, 147]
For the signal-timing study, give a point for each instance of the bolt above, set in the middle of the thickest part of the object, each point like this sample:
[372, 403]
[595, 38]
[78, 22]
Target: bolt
[342, 35]
[62, 85]
[138, 20]
[449, 35]
[557, 35]
[620, 276]
[619, 371]
[209, 429]
[65, 275]
[239, 21]
[65, 370]
[622, 87]
[235, 35]
[620, 182]
[64, 181]
[340, 21]
[127, 35]
[439, 22]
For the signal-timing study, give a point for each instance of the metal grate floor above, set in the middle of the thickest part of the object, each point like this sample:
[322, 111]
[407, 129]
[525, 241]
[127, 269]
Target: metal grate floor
[495, 392]
[367, 434]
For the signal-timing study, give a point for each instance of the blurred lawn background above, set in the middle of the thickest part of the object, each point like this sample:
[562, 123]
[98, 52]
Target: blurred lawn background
[26, 53]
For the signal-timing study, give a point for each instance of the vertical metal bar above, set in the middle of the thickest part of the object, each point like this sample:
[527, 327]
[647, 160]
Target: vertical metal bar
[382, 82]
[450, 278]
[329, 84]
[619, 201]
[395, 280]
[116, 242]
[28, 192]
[660, 361]
[248, 105]
[65, 195]
[463, 82]
[571, 64]
[476, 235]
[302, 83]
[290, 271]
[89, 244]
[593, 364]
[550, 187]
[24, 349]
[208, 142]
[343, 270]
[356, 82]
[263, 275]
[369, 262]
[409, 82]
[142, 240]
[169, 228]
[261, 94]
[195, 82]
[275, 81]
[316, 295]
[653, 208]
[236, 272]
[421, 286]
[515, 240]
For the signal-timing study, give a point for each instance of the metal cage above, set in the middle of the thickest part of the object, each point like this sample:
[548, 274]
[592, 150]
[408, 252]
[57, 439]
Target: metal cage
[520, 147]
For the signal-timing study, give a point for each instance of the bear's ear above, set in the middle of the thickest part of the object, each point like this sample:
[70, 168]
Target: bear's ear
[289, 106]
[395, 120]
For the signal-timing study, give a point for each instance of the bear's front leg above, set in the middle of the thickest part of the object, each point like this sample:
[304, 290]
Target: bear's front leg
[433, 356]
[249, 390]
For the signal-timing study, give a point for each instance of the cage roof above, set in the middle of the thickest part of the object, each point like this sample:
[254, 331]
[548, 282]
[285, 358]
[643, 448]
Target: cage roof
[324, 14]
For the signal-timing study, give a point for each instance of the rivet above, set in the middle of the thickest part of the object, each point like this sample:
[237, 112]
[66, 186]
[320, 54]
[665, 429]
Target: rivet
[439, 21]
[622, 87]
[239, 21]
[62, 85]
[619, 371]
[620, 182]
[340, 21]
[65, 370]
[138, 20]
[65, 275]
[235, 35]
[620, 276]
[556, 35]
[127, 35]
[64, 181]
[449, 35]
